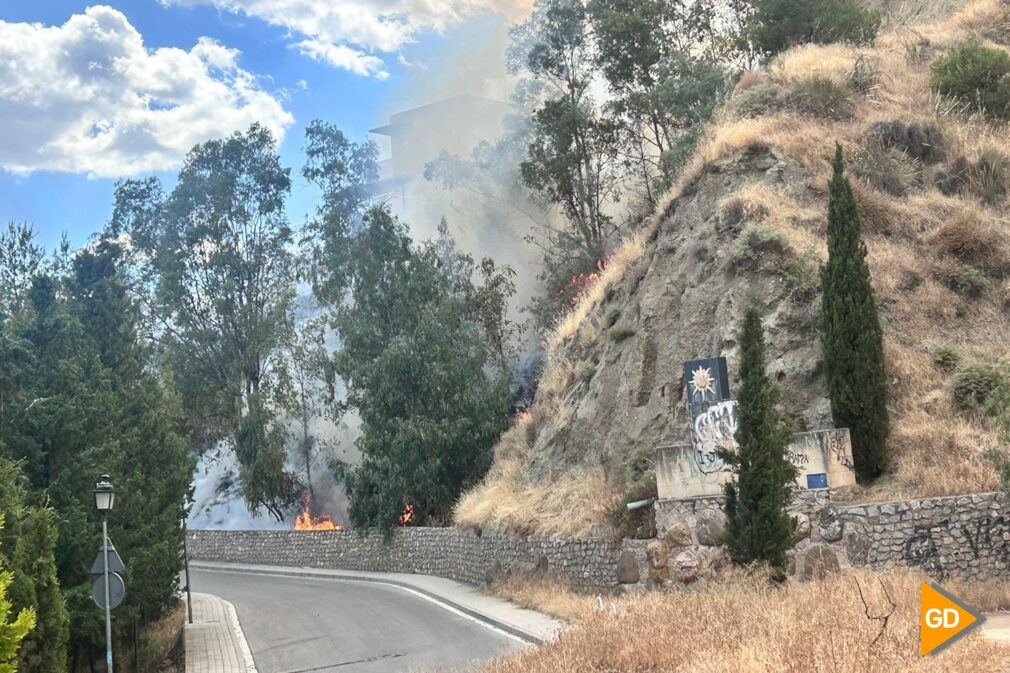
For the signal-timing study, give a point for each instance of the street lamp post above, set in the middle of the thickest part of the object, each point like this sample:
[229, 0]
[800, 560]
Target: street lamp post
[105, 497]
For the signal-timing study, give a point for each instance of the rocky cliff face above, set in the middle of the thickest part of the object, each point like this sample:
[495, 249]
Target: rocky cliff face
[682, 300]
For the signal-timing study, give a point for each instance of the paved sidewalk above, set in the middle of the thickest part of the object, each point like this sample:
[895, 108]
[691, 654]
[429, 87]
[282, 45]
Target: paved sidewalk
[529, 625]
[214, 641]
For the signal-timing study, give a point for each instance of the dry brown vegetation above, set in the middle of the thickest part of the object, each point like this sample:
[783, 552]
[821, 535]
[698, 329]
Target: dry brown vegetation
[747, 625]
[918, 238]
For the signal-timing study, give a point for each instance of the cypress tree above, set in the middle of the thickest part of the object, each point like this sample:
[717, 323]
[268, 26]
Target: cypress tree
[759, 529]
[851, 334]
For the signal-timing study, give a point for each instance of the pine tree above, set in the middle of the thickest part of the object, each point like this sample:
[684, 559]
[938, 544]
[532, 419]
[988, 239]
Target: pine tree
[759, 529]
[851, 334]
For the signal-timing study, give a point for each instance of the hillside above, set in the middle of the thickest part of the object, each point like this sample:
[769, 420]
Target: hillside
[749, 219]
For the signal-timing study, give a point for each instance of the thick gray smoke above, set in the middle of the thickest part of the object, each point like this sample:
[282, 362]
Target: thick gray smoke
[454, 100]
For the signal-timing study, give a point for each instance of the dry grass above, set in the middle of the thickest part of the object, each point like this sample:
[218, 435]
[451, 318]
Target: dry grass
[746, 625]
[617, 264]
[547, 594]
[569, 505]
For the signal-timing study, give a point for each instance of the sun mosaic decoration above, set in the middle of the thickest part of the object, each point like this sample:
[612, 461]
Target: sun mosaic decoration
[702, 380]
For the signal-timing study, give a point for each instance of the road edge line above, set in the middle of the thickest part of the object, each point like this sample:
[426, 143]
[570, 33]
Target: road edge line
[284, 571]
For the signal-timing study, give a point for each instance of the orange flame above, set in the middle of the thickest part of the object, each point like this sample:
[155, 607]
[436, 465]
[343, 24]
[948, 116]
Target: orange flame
[407, 517]
[305, 520]
[579, 284]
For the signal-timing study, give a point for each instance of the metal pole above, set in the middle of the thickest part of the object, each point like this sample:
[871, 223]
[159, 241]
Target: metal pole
[185, 561]
[108, 601]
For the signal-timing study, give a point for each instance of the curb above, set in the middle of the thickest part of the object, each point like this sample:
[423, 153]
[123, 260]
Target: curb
[511, 629]
[243, 644]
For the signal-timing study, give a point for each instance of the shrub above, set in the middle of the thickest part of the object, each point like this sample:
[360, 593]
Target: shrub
[977, 76]
[923, 142]
[759, 100]
[964, 279]
[585, 371]
[758, 239]
[988, 178]
[981, 387]
[801, 274]
[821, 97]
[946, 357]
[780, 24]
[864, 75]
[613, 314]
[639, 524]
[886, 169]
[621, 331]
[973, 242]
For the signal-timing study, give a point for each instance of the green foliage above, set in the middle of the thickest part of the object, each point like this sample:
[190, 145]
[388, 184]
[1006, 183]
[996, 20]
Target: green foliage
[759, 528]
[975, 75]
[964, 279]
[81, 401]
[11, 632]
[984, 388]
[342, 169]
[946, 356]
[777, 25]
[420, 371]
[621, 331]
[819, 96]
[572, 154]
[612, 316]
[758, 240]
[214, 261]
[639, 524]
[851, 333]
[27, 548]
[20, 259]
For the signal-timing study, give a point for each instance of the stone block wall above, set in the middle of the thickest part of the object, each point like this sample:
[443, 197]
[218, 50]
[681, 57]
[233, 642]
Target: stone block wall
[965, 537]
[591, 565]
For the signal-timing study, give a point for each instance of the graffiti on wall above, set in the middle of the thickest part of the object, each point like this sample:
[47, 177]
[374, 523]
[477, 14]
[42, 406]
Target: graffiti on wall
[714, 430]
[823, 459]
[985, 536]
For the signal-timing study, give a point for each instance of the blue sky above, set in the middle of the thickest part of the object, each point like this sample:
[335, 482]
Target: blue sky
[94, 92]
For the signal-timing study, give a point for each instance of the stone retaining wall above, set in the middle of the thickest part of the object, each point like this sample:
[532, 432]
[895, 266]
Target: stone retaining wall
[591, 565]
[965, 537]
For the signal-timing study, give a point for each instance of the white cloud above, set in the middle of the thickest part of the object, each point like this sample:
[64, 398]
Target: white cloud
[89, 97]
[348, 33]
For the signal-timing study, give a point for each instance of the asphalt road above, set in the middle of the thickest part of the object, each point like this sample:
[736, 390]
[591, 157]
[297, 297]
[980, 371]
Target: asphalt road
[303, 625]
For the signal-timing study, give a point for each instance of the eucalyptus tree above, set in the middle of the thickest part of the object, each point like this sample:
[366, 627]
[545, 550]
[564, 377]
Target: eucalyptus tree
[572, 155]
[215, 265]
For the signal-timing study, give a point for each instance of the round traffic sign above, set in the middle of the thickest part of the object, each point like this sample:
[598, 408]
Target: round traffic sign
[117, 590]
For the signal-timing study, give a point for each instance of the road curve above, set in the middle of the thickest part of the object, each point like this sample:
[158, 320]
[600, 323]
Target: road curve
[310, 625]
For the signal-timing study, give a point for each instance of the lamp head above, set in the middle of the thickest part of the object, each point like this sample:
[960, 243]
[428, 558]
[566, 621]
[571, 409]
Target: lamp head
[105, 494]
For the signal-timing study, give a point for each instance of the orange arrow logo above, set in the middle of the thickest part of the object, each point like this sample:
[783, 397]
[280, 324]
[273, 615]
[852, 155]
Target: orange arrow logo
[943, 619]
